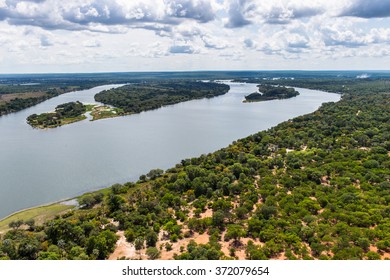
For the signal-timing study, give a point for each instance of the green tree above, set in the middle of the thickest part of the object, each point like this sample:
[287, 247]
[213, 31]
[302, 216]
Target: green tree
[153, 253]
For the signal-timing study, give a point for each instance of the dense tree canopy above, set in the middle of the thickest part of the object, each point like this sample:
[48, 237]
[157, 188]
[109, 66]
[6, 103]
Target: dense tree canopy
[64, 113]
[269, 92]
[138, 97]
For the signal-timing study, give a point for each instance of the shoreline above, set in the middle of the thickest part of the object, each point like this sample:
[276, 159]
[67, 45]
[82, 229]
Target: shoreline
[59, 202]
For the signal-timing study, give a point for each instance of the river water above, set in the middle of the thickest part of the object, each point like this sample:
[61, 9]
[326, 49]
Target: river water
[41, 166]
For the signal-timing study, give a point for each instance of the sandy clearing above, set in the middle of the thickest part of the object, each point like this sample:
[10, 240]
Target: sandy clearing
[126, 249]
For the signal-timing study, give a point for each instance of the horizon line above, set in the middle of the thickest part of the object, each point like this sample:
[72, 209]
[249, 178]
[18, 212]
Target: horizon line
[196, 71]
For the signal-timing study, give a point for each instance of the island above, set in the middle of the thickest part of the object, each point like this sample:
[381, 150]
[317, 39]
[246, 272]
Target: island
[71, 112]
[64, 114]
[138, 97]
[270, 93]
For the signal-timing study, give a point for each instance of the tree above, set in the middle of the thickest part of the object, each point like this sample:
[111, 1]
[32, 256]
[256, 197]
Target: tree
[139, 243]
[101, 245]
[155, 173]
[130, 235]
[151, 239]
[153, 253]
[15, 224]
[235, 232]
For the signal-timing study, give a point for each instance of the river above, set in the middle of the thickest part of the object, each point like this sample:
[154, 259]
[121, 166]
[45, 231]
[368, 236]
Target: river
[41, 166]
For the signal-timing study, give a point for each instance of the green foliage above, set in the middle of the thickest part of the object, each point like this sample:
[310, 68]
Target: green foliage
[135, 98]
[64, 113]
[153, 253]
[271, 92]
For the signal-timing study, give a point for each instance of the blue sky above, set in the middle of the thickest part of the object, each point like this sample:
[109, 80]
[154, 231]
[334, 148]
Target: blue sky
[39, 36]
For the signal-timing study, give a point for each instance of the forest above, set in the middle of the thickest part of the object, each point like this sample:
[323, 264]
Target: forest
[314, 187]
[64, 114]
[138, 97]
[269, 92]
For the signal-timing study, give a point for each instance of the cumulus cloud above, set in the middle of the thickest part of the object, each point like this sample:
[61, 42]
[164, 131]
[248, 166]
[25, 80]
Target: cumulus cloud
[341, 34]
[368, 9]
[228, 30]
[89, 14]
[248, 43]
[214, 43]
[45, 41]
[199, 10]
[245, 12]
[238, 11]
[176, 49]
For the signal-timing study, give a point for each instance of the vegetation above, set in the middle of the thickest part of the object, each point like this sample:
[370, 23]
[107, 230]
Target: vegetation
[270, 93]
[16, 97]
[64, 114]
[38, 214]
[315, 187]
[135, 98]
[104, 112]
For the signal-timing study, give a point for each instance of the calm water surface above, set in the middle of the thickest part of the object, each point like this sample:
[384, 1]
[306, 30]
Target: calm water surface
[41, 166]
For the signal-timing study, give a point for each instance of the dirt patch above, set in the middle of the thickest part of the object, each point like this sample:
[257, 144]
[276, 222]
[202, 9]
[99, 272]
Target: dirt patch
[207, 214]
[281, 256]
[8, 97]
[383, 255]
[181, 244]
[126, 249]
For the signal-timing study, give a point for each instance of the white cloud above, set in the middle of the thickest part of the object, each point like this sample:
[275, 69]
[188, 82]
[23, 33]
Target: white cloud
[148, 34]
[92, 44]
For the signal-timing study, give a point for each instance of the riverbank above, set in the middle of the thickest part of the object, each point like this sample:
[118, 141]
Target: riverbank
[39, 214]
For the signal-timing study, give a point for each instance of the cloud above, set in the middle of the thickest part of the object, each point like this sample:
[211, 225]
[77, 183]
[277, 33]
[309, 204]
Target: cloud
[237, 13]
[181, 49]
[92, 14]
[245, 12]
[249, 43]
[368, 9]
[337, 35]
[199, 10]
[214, 43]
[92, 44]
[45, 41]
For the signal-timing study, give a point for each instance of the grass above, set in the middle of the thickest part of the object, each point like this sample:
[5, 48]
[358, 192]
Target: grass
[9, 96]
[104, 112]
[43, 213]
[39, 214]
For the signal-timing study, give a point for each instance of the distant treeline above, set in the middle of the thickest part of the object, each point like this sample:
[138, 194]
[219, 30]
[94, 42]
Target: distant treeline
[135, 98]
[339, 85]
[29, 95]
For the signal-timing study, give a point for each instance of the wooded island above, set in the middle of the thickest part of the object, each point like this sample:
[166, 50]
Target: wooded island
[138, 97]
[64, 114]
[268, 92]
